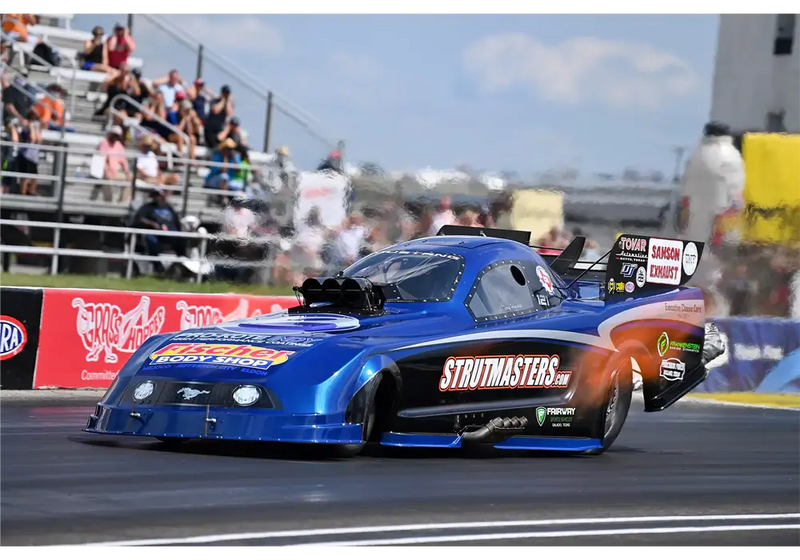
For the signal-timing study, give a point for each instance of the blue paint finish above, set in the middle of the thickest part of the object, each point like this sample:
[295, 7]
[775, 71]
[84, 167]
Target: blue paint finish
[231, 424]
[549, 444]
[335, 355]
[420, 440]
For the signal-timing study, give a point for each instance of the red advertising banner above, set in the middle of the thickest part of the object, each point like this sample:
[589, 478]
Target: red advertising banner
[87, 336]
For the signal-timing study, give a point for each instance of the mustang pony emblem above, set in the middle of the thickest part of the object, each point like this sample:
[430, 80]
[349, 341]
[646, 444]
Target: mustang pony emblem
[189, 393]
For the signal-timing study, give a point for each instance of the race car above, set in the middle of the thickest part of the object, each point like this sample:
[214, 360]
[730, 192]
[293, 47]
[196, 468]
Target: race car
[470, 337]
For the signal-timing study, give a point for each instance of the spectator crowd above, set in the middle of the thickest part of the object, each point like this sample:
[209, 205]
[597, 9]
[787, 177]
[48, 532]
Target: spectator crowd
[166, 116]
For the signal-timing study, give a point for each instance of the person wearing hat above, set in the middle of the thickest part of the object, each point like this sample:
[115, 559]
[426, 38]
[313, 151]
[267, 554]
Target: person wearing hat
[233, 131]
[199, 95]
[220, 110]
[148, 166]
[182, 116]
[157, 213]
[222, 176]
[115, 166]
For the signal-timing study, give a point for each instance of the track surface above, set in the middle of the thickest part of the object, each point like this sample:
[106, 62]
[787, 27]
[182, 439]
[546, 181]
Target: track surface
[62, 486]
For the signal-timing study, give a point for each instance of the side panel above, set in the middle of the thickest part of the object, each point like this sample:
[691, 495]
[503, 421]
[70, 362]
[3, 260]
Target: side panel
[20, 318]
[447, 389]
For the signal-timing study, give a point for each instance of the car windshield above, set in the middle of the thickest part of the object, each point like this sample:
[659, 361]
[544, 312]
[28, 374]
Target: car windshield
[411, 275]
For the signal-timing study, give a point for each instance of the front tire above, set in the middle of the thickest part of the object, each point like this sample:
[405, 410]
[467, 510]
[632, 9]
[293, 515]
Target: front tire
[616, 402]
[370, 417]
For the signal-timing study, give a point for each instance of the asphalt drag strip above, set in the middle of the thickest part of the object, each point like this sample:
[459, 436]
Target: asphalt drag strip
[696, 473]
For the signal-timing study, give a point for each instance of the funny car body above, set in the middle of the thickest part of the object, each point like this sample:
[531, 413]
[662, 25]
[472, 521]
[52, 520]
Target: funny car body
[470, 337]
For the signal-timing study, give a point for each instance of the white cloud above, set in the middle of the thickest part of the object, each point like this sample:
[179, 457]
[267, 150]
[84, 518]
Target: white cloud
[615, 73]
[251, 34]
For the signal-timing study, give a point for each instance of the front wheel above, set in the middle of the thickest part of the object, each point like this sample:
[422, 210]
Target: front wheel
[617, 402]
[353, 449]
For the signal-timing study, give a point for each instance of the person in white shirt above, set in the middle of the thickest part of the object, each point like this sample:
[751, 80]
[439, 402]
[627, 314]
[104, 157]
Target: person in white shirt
[147, 166]
[306, 252]
[239, 221]
[350, 240]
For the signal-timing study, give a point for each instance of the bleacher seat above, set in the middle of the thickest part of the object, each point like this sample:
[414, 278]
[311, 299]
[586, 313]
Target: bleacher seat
[48, 32]
[66, 18]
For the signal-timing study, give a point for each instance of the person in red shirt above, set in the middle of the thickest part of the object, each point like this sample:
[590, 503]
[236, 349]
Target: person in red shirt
[120, 46]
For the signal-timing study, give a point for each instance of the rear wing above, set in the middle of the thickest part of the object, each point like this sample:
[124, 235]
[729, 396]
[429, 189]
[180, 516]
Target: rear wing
[640, 265]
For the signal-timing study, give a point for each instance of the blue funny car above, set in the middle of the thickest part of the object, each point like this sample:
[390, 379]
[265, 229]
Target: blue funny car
[470, 337]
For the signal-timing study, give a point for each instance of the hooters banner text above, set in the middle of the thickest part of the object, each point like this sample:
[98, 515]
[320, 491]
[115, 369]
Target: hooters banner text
[86, 336]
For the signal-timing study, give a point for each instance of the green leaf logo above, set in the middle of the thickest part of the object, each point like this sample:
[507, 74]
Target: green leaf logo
[663, 344]
[541, 413]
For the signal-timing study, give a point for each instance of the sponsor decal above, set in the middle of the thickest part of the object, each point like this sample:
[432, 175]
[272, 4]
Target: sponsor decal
[615, 287]
[632, 248]
[465, 373]
[628, 269]
[641, 276]
[104, 329]
[690, 260]
[752, 352]
[665, 345]
[271, 340]
[684, 311]
[664, 262]
[301, 323]
[672, 369]
[545, 279]
[629, 287]
[559, 417]
[193, 316]
[242, 355]
[13, 337]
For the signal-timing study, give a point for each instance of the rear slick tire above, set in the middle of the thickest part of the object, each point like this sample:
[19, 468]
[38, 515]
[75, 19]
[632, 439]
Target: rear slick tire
[616, 403]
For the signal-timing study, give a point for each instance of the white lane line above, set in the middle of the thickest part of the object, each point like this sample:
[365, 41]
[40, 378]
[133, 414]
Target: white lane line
[441, 527]
[740, 405]
[558, 534]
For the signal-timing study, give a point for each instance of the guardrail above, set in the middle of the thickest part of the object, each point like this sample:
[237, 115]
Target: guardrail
[271, 175]
[129, 254]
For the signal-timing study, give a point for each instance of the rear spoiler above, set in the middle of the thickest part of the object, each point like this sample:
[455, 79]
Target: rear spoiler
[642, 265]
[637, 264]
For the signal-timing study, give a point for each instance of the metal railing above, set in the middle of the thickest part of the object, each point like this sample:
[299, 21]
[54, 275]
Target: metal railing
[50, 67]
[40, 91]
[129, 100]
[129, 255]
[303, 118]
[135, 184]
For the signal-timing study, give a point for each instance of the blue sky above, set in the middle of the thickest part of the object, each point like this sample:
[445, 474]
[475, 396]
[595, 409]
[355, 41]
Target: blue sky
[523, 93]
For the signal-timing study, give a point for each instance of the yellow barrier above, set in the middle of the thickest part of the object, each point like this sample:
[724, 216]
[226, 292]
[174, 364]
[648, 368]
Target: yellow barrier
[772, 188]
[776, 400]
[537, 210]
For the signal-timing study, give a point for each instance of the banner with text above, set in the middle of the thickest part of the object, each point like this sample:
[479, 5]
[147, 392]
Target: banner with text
[88, 335]
[762, 355]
